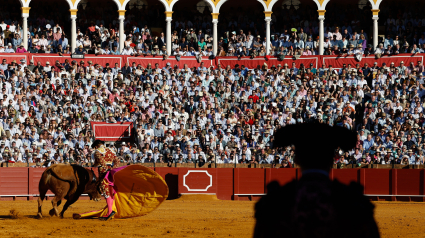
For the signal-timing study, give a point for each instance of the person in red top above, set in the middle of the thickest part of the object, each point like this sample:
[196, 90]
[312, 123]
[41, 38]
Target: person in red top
[58, 66]
[254, 98]
[132, 107]
[170, 130]
[92, 28]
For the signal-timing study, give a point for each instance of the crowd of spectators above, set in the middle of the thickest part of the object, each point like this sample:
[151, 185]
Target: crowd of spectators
[210, 115]
[241, 33]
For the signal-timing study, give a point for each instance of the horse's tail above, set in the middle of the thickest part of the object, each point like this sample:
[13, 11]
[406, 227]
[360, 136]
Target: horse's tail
[43, 184]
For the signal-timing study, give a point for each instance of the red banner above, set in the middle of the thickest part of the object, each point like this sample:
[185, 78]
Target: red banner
[253, 63]
[101, 59]
[122, 131]
[337, 62]
[190, 61]
[14, 57]
[316, 60]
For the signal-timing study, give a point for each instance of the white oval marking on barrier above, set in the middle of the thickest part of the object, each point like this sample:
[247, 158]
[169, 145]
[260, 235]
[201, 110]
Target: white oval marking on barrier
[197, 171]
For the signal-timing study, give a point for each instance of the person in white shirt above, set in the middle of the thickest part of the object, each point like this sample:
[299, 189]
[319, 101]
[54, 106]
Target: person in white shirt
[380, 49]
[12, 27]
[47, 68]
[79, 42]
[123, 148]
[178, 52]
[9, 49]
[63, 72]
[22, 64]
[43, 42]
[127, 51]
[359, 50]
[99, 50]
[57, 28]
[3, 25]
[327, 43]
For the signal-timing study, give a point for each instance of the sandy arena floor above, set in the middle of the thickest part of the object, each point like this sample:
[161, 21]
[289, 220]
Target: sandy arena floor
[182, 218]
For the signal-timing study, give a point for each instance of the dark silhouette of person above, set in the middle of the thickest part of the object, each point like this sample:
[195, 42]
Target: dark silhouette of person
[315, 206]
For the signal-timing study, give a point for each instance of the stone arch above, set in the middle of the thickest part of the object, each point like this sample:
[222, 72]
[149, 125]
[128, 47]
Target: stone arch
[73, 3]
[375, 3]
[321, 4]
[122, 4]
[24, 3]
[168, 4]
[218, 4]
[268, 4]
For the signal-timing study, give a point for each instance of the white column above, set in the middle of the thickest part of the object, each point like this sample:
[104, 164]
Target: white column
[268, 15]
[25, 15]
[168, 36]
[73, 33]
[321, 34]
[121, 18]
[375, 31]
[121, 30]
[73, 29]
[268, 35]
[168, 19]
[25, 32]
[215, 41]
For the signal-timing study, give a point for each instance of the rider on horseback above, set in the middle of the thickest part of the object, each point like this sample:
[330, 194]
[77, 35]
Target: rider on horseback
[105, 159]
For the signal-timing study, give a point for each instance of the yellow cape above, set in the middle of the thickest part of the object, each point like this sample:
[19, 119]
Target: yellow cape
[139, 190]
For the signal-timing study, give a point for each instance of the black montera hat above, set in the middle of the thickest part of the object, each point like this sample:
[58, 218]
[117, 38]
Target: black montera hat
[315, 143]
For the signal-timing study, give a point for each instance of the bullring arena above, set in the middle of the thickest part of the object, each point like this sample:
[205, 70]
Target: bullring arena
[222, 204]
[184, 218]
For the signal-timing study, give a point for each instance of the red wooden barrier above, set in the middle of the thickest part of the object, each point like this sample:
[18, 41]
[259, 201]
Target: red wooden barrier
[282, 176]
[409, 182]
[34, 179]
[13, 181]
[248, 183]
[171, 177]
[242, 183]
[377, 181]
[225, 183]
[345, 176]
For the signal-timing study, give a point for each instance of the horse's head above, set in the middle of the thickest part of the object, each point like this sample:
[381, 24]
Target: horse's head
[91, 187]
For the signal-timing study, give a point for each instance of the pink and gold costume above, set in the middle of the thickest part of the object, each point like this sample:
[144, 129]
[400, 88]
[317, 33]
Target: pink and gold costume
[106, 159]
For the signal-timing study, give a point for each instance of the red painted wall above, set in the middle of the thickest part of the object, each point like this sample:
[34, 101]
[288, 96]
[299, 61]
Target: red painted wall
[13, 181]
[282, 176]
[225, 180]
[345, 176]
[409, 181]
[170, 175]
[248, 183]
[377, 181]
